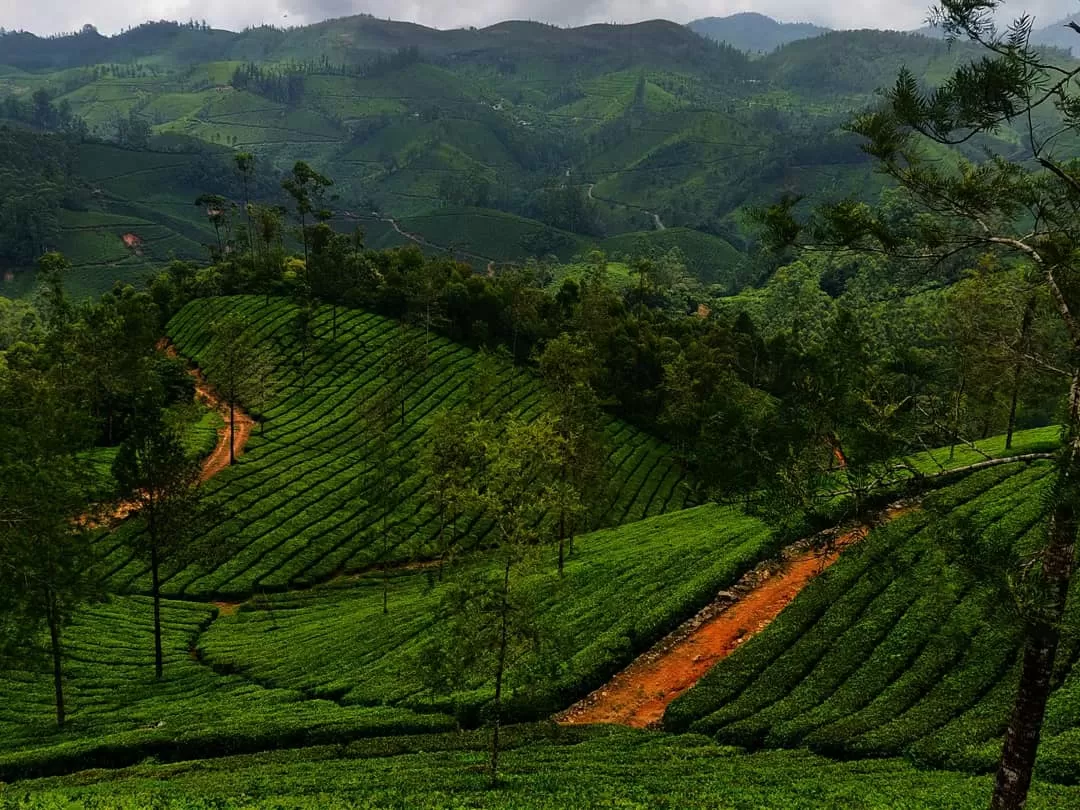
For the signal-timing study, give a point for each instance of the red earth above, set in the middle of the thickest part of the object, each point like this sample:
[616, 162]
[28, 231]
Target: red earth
[639, 695]
[214, 463]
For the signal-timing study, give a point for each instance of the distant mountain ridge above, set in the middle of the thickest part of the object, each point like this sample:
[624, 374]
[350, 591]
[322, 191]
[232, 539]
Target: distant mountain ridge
[352, 40]
[754, 33]
[1059, 35]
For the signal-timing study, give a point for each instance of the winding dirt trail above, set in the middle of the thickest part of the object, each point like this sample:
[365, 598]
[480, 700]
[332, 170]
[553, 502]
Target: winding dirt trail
[639, 695]
[214, 463]
[218, 459]
[655, 216]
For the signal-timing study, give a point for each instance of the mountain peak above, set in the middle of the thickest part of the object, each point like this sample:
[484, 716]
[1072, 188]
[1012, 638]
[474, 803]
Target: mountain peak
[753, 32]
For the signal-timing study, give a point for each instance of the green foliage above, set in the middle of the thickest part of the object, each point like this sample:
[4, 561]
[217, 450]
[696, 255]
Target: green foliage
[546, 769]
[301, 517]
[906, 644]
[335, 641]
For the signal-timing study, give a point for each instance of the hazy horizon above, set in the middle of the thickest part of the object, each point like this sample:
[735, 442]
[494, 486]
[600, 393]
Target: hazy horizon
[64, 16]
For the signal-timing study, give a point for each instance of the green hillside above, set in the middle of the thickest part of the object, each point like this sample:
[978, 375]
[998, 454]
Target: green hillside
[516, 140]
[336, 642]
[296, 509]
[898, 649]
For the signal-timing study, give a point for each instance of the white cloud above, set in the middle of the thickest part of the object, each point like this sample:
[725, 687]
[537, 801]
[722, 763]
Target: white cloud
[67, 15]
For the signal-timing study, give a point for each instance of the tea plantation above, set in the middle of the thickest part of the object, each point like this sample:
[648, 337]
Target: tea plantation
[900, 649]
[546, 769]
[336, 642]
[898, 656]
[296, 508]
[120, 713]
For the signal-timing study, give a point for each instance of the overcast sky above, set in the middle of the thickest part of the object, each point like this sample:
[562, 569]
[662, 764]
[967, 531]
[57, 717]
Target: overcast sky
[50, 16]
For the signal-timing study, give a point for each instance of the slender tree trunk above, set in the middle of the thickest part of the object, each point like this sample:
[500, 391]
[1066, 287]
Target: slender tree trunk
[956, 421]
[500, 670]
[250, 227]
[1012, 407]
[562, 540]
[1043, 630]
[155, 585]
[442, 539]
[1018, 370]
[58, 660]
[303, 236]
[386, 570]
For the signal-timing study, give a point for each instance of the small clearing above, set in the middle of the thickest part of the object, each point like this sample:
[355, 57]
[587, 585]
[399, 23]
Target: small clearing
[639, 695]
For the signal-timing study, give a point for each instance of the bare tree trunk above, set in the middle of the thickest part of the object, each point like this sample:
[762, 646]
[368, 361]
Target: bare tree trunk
[58, 660]
[386, 570]
[1043, 629]
[500, 670]
[956, 420]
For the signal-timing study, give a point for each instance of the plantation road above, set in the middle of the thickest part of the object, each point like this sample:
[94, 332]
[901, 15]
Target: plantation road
[639, 695]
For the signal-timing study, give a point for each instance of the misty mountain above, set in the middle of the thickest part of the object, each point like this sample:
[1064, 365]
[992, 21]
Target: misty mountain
[754, 33]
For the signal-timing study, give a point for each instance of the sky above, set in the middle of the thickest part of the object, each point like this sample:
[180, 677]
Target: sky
[53, 16]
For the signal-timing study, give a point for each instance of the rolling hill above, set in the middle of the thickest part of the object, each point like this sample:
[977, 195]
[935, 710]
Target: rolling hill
[514, 140]
[753, 33]
[302, 517]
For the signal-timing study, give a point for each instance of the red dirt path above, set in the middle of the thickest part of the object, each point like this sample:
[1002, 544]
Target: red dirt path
[214, 463]
[639, 695]
[218, 460]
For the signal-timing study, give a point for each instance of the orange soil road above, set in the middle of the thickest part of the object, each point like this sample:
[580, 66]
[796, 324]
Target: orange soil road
[218, 460]
[639, 695]
[214, 463]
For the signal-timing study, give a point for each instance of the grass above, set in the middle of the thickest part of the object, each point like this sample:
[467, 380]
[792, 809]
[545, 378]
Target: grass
[898, 649]
[120, 713]
[297, 508]
[544, 769]
[493, 234]
[335, 641]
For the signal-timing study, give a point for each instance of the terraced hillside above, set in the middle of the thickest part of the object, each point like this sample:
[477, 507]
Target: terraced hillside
[121, 713]
[296, 506]
[326, 665]
[336, 642]
[899, 649]
[502, 143]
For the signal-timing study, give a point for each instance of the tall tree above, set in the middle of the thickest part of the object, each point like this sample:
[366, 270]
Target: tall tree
[245, 166]
[1021, 203]
[217, 210]
[153, 469]
[307, 188]
[491, 616]
[48, 567]
[238, 368]
[451, 464]
[569, 365]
